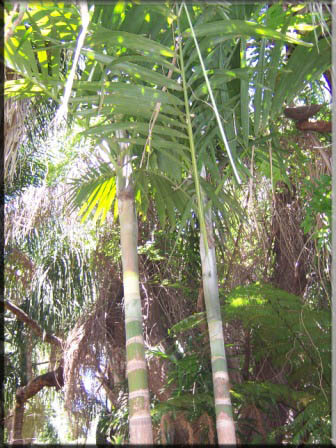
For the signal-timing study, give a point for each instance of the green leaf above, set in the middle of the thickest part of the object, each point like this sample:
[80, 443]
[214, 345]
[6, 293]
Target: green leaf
[244, 97]
[98, 34]
[135, 126]
[259, 90]
[237, 28]
[304, 65]
[188, 323]
[119, 90]
[139, 73]
[153, 60]
[270, 78]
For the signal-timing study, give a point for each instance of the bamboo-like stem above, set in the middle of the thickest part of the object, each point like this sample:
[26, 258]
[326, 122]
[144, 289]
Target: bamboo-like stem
[224, 418]
[140, 424]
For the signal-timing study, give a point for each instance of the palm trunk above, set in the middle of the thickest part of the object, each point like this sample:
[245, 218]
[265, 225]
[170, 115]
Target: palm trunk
[224, 419]
[140, 425]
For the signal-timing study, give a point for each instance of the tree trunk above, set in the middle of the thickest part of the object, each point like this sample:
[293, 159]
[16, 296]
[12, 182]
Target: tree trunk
[224, 418]
[140, 425]
[16, 437]
[49, 379]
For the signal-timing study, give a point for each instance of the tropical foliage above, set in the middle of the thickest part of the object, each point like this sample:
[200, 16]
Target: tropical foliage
[196, 119]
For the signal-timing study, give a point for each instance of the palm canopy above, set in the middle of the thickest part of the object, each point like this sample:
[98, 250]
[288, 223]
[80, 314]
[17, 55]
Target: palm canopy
[128, 78]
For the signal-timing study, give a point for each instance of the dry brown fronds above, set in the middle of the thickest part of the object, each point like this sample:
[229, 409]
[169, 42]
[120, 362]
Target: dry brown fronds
[184, 430]
[157, 376]
[24, 213]
[205, 431]
[179, 430]
[292, 253]
[75, 356]
[158, 300]
[167, 430]
[14, 116]
[19, 270]
[96, 346]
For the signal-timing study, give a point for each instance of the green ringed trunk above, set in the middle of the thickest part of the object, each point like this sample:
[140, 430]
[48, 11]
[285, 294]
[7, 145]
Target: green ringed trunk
[140, 424]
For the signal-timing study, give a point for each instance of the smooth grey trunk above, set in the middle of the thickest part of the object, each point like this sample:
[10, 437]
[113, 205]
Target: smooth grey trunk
[224, 418]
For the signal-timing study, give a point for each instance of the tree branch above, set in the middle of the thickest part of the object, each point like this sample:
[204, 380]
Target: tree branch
[33, 325]
[49, 379]
[321, 126]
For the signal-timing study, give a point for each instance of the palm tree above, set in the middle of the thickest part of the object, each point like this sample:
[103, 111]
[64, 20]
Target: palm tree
[225, 425]
[140, 424]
